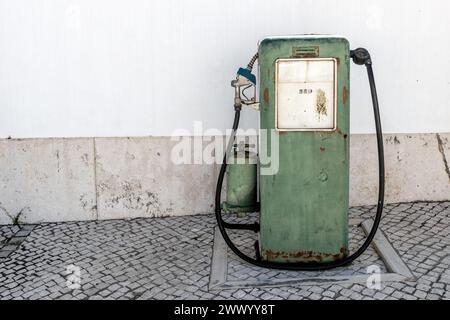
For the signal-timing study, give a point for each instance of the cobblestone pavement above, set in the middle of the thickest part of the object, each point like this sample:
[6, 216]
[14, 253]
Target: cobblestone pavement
[169, 258]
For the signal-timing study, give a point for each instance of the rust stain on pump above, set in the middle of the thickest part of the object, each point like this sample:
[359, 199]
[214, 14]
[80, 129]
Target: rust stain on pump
[266, 95]
[309, 256]
[344, 95]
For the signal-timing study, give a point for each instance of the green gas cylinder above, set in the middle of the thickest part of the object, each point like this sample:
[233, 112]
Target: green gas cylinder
[241, 174]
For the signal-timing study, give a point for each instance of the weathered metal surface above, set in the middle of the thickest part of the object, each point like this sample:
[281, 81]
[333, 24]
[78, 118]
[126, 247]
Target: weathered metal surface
[304, 205]
[305, 255]
[241, 183]
[219, 262]
[390, 257]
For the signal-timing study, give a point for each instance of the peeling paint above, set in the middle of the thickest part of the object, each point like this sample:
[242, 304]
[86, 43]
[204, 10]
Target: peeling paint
[339, 131]
[321, 103]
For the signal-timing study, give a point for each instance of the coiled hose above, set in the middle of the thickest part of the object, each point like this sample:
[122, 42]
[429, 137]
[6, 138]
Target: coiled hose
[360, 56]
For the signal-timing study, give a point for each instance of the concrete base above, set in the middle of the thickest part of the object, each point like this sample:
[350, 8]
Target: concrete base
[58, 179]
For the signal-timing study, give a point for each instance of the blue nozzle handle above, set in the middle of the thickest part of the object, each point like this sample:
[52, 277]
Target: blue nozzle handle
[247, 74]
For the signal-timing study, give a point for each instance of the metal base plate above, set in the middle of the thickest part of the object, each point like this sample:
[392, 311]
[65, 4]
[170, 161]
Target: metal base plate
[229, 272]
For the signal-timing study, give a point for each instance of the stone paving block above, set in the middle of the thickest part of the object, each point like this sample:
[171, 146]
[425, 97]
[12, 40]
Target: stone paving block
[10, 247]
[4, 253]
[16, 240]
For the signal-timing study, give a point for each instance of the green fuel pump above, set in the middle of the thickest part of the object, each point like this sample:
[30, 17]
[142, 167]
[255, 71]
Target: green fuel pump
[304, 99]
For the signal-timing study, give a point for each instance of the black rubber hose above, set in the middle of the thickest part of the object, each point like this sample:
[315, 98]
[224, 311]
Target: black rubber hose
[314, 266]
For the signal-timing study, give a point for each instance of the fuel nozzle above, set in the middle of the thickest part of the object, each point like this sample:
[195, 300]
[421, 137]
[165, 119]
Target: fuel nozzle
[245, 80]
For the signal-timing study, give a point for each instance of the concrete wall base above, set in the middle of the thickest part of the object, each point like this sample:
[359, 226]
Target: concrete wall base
[59, 179]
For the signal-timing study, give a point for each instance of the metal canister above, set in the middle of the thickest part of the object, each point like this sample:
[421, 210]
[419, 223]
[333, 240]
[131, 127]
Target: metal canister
[241, 176]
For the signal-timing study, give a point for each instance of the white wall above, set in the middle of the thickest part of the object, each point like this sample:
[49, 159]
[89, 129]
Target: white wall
[134, 68]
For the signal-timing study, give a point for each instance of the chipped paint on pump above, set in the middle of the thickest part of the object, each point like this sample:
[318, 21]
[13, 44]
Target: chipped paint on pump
[344, 95]
[304, 207]
[266, 95]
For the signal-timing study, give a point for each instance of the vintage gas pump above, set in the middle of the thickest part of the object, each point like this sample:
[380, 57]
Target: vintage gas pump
[304, 97]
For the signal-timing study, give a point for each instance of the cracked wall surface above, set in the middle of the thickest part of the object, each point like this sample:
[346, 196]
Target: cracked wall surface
[108, 178]
[443, 147]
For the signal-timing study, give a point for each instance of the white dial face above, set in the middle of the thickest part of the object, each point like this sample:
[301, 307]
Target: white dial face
[305, 94]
